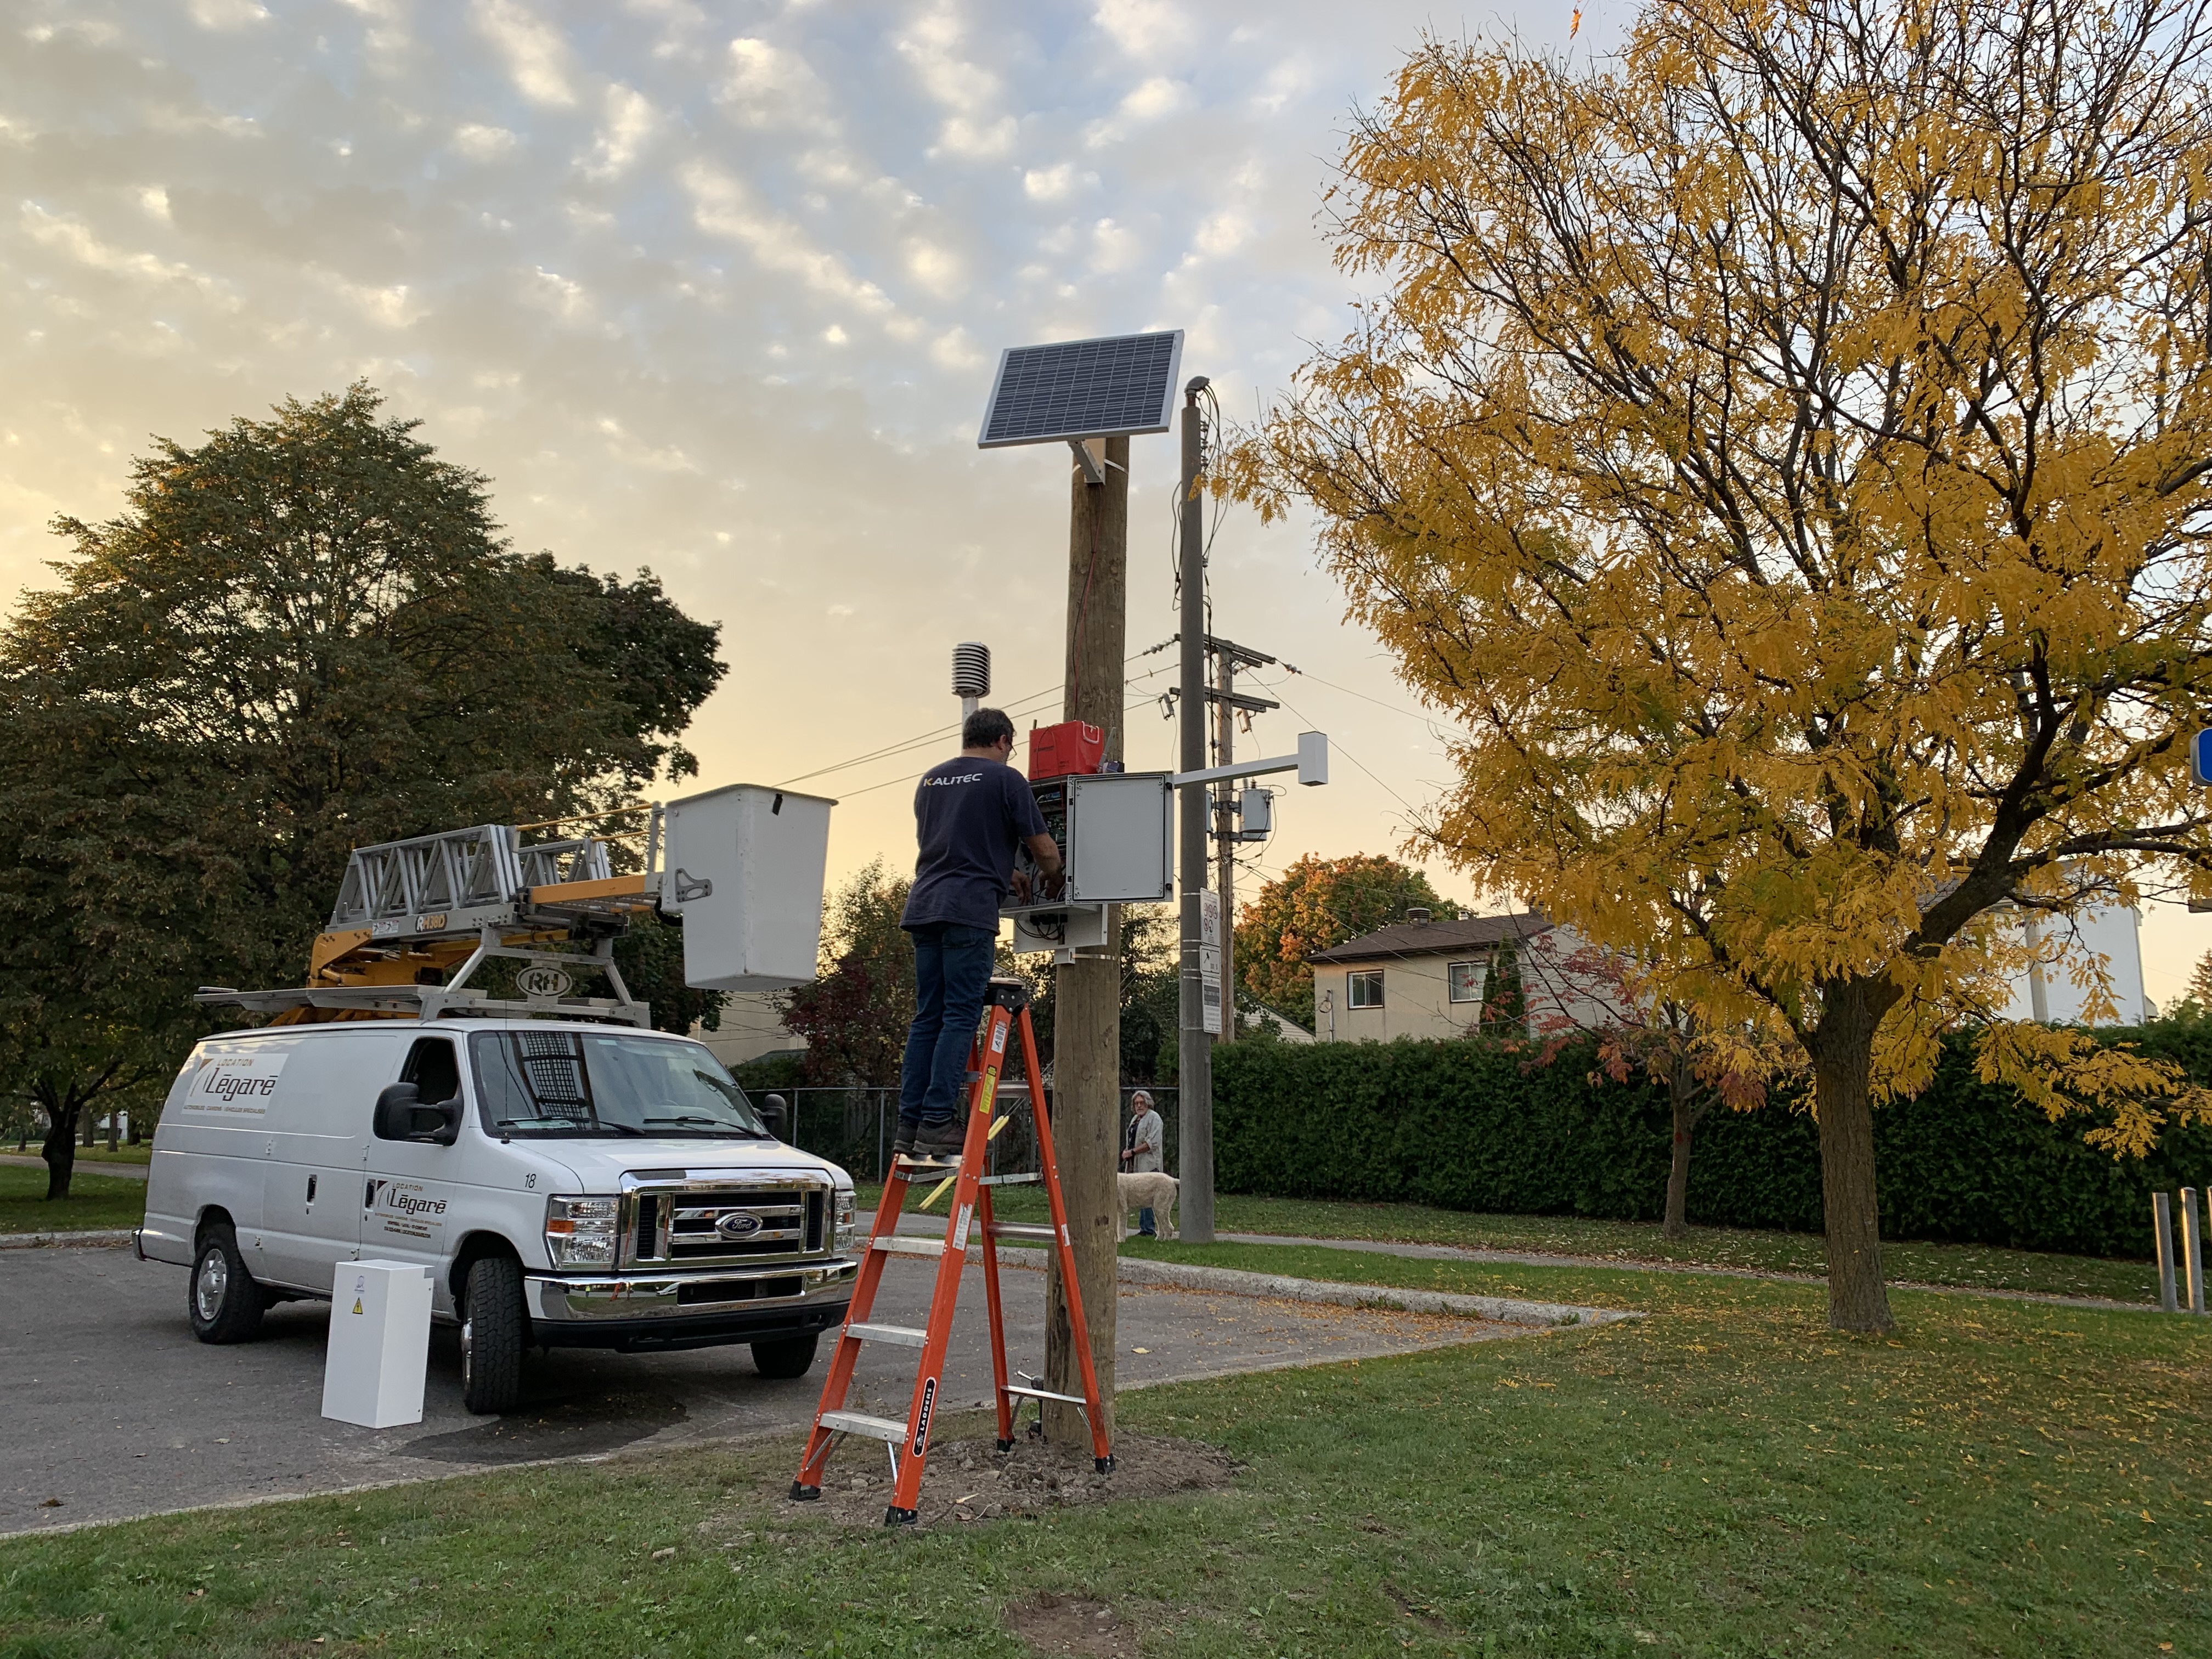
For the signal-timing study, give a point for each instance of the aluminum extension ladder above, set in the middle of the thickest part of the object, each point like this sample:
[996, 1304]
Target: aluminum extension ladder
[1007, 1012]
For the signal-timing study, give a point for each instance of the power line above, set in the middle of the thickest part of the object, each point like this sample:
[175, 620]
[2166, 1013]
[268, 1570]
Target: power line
[1348, 755]
[938, 733]
[866, 789]
[1394, 707]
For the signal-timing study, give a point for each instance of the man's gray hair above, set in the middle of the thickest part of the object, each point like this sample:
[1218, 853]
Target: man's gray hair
[985, 727]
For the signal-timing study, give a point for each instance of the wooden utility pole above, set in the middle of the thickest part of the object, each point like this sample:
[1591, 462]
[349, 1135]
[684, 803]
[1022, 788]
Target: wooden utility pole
[1086, 1043]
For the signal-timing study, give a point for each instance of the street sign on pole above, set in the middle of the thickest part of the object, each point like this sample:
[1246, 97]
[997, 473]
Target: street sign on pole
[1209, 959]
[2200, 757]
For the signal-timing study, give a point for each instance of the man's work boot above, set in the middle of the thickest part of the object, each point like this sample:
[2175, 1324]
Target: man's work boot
[940, 1143]
[902, 1146]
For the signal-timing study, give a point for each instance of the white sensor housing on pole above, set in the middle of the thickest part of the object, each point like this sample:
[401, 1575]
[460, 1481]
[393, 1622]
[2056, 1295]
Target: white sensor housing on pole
[971, 675]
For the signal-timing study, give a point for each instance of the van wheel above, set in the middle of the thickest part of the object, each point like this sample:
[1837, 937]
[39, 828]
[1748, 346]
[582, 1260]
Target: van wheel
[222, 1299]
[495, 1330]
[788, 1356]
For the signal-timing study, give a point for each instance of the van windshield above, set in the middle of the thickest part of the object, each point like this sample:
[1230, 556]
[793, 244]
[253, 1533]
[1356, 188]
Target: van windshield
[575, 1083]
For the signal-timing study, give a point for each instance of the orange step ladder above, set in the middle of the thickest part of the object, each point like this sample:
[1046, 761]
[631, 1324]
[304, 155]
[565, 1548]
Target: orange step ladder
[1006, 1011]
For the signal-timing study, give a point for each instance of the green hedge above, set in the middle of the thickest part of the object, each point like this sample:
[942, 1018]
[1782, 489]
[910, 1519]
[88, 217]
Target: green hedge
[1466, 1125]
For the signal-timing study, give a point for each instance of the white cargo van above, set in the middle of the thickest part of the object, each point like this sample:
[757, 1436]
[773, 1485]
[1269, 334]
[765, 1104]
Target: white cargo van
[566, 1182]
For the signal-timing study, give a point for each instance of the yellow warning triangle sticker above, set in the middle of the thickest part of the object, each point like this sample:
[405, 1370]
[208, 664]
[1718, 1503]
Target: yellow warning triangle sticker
[356, 1304]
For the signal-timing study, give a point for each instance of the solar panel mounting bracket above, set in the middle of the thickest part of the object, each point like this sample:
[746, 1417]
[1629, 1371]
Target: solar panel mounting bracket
[1093, 469]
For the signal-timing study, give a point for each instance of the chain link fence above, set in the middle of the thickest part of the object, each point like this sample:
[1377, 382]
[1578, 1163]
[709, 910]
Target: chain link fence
[854, 1127]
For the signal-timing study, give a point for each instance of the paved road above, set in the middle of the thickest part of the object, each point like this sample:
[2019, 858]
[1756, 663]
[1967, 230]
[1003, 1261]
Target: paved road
[116, 1411]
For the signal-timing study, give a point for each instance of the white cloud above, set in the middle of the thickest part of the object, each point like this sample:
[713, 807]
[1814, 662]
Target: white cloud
[770, 87]
[536, 57]
[1223, 235]
[936, 268]
[75, 239]
[483, 143]
[1286, 81]
[1151, 100]
[722, 206]
[566, 299]
[954, 349]
[1054, 183]
[387, 307]
[227, 13]
[1113, 247]
[976, 130]
[1145, 29]
[630, 120]
[155, 200]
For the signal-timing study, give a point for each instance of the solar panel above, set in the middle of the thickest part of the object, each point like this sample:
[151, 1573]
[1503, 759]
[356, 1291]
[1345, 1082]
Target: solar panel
[1083, 389]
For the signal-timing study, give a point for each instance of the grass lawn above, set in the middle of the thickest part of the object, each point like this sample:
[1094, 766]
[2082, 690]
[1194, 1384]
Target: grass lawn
[1978, 1266]
[1724, 1478]
[93, 1202]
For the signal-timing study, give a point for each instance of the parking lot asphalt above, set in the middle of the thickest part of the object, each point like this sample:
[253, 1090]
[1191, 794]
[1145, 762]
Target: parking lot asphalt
[118, 1412]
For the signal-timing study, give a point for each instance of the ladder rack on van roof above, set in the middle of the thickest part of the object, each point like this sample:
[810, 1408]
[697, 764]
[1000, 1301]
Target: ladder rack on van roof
[416, 919]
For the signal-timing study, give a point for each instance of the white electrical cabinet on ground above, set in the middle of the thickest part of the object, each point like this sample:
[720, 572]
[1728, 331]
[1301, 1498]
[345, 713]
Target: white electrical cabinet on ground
[379, 1346]
[744, 866]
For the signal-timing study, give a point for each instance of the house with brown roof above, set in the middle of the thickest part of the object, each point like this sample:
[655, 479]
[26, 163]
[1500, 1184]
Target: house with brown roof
[1427, 977]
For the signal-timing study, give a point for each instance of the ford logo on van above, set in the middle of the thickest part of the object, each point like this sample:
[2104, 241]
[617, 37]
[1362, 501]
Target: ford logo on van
[735, 1225]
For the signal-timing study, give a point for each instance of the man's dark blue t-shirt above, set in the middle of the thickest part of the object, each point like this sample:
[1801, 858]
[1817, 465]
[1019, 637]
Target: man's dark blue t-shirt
[970, 814]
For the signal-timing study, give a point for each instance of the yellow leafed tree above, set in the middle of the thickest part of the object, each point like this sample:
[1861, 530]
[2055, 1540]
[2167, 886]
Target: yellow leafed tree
[1784, 450]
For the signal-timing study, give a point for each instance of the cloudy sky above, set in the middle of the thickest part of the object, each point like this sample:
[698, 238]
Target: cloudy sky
[717, 288]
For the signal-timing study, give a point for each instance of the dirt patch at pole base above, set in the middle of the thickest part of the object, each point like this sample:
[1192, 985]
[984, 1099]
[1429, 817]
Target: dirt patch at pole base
[1057, 1625]
[969, 1481]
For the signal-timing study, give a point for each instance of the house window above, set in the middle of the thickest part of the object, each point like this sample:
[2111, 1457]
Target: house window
[1465, 981]
[1366, 988]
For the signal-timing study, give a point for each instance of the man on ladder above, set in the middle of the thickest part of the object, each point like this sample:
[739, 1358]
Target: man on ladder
[969, 813]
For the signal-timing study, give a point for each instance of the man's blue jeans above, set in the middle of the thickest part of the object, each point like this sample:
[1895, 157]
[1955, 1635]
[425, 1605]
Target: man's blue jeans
[951, 972]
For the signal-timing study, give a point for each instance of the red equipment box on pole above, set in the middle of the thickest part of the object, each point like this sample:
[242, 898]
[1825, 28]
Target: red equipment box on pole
[1066, 750]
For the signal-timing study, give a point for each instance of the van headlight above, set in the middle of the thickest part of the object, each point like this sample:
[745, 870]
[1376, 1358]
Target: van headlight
[581, 1232]
[845, 1229]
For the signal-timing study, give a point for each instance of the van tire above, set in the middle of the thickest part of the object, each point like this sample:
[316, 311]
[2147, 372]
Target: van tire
[495, 1330]
[786, 1356]
[221, 1298]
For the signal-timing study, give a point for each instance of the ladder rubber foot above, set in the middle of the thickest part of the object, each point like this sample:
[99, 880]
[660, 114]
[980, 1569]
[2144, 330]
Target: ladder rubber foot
[1005, 1445]
[1104, 1465]
[896, 1517]
[803, 1493]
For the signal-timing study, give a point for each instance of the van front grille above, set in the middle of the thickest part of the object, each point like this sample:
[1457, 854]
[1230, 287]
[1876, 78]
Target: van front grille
[698, 1222]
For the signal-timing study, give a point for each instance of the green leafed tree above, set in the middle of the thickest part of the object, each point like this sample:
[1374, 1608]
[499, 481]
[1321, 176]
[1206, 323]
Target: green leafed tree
[303, 633]
[854, 1015]
[1315, 903]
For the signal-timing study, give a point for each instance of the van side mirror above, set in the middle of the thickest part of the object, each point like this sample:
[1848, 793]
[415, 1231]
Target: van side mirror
[401, 1115]
[777, 1111]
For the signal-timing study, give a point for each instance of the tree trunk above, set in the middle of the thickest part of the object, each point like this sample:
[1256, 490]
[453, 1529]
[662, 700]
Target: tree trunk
[1843, 1063]
[59, 1148]
[1689, 1104]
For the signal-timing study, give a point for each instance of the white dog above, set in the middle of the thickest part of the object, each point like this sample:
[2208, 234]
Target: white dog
[1150, 1190]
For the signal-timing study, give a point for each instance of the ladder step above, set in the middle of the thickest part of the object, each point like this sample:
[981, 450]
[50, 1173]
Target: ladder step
[1007, 1181]
[1022, 1230]
[880, 1428]
[904, 1335]
[901, 1244]
[1021, 1392]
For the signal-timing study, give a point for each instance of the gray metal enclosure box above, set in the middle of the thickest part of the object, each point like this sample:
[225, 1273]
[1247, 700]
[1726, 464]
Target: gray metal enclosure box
[744, 866]
[1120, 839]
